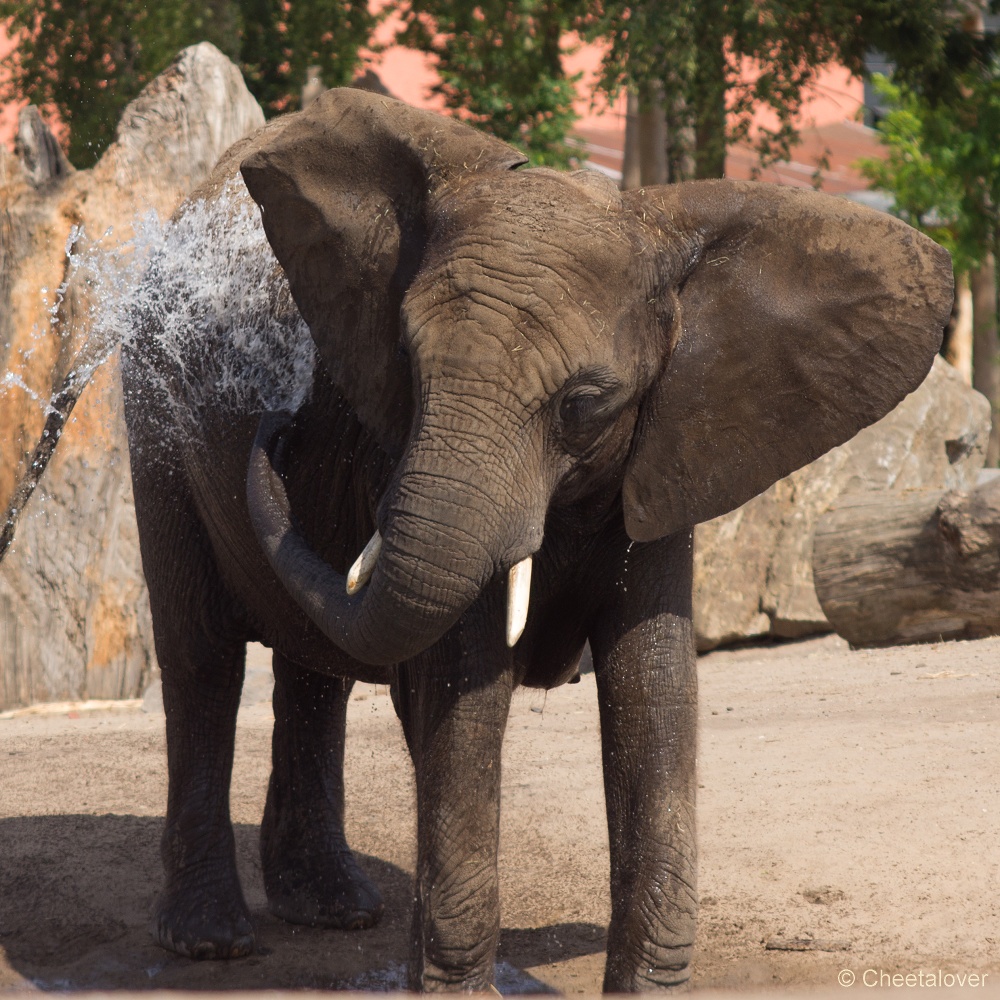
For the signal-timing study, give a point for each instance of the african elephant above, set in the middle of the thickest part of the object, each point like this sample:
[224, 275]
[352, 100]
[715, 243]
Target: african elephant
[525, 383]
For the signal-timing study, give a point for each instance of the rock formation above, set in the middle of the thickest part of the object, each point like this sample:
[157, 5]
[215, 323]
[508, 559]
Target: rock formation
[74, 617]
[753, 567]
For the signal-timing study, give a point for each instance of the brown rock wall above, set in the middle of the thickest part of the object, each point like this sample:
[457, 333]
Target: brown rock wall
[74, 615]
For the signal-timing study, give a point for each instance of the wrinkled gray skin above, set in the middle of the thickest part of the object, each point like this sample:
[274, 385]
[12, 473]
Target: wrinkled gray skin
[515, 362]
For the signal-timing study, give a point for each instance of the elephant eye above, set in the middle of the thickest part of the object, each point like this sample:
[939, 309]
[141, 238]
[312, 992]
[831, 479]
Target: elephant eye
[580, 405]
[587, 408]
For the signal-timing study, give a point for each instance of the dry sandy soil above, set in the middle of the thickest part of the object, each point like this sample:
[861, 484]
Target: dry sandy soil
[848, 797]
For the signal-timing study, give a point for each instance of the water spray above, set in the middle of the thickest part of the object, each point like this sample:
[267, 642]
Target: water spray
[206, 288]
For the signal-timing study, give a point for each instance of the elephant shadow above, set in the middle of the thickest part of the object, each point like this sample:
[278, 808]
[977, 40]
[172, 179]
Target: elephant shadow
[76, 892]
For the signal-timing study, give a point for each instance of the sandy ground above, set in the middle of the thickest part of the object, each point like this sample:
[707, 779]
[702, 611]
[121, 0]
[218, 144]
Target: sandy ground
[848, 797]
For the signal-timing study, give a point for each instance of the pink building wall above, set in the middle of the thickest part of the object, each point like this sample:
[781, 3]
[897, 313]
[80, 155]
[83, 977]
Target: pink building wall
[8, 112]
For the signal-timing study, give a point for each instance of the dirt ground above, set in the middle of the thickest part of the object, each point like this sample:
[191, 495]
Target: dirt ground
[847, 798]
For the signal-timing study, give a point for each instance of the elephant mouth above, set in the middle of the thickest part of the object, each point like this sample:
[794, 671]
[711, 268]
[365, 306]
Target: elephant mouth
[518, 586]
[352, 610]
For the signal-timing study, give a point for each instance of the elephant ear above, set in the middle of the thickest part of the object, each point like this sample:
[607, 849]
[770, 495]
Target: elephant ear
[799, 319]
[347, 191]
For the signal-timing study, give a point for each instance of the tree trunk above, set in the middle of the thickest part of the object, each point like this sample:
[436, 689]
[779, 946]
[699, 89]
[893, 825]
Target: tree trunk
[911, 566]
[710, 94]
[631, 163]
[652, 136]
[986, 346]
[645, 155]
[958, 339]
[680, 143]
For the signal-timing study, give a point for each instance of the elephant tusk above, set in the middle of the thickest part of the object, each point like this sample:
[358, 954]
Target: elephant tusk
[518, 593]
[361, 572]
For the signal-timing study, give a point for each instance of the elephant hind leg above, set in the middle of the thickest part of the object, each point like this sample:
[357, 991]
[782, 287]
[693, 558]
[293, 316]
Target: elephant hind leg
[201, 648]
[310, 874]
[200, 632]
[201, 912]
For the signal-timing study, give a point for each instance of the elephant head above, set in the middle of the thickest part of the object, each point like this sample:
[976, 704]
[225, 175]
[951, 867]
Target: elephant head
[521, 339]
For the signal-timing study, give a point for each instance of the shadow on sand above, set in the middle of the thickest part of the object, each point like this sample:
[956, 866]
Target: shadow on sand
[76, 892]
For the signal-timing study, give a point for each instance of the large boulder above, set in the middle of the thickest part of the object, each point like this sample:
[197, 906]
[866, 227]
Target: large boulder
[74, 615]
[753, 567]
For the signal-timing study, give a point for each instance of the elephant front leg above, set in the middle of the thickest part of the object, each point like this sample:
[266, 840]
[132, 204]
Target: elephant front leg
[310, 874]
[454, 728]
[644, 659]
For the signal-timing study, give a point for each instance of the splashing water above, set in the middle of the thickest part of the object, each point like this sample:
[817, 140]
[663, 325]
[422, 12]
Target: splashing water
[207, 288]
[13, 379]
[203, 307]
[219, 310]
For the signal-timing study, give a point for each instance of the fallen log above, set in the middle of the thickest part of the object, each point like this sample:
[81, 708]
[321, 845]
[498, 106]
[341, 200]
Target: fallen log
[911, 566]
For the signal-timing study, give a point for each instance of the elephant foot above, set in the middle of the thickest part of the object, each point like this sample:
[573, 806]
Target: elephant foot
[203, 923]
[331, 892]
[668, 978]
[666, 983]
[475, 984]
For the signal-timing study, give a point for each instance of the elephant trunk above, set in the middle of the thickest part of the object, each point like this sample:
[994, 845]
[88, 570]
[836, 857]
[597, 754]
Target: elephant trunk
[434, 561]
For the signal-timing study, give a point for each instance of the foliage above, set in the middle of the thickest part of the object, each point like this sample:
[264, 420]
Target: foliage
[86, 59]
[720, 61]
[921, 174]
[943, 165]
[500, 67]
[500, 62]
[282, 38]
[943, 170]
